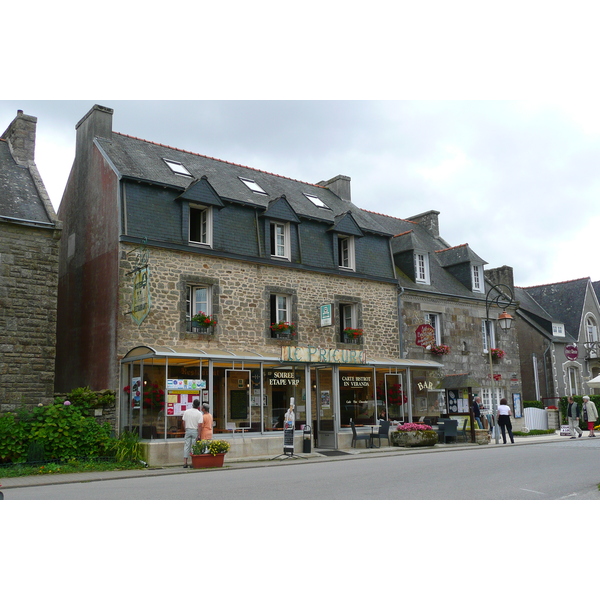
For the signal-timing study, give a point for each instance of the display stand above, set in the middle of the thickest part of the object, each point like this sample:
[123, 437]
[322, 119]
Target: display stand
[288, 444]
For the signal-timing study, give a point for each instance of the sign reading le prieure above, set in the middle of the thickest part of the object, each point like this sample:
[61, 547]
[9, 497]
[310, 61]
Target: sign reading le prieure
[312, 354]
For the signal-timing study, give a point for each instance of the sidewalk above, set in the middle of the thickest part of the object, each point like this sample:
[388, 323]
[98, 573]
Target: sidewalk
[269, 461]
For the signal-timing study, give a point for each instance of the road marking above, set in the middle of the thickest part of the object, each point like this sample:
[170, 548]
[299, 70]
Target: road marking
[532, 491]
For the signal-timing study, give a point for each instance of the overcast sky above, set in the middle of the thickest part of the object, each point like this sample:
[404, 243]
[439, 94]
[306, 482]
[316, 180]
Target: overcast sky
[518, 181]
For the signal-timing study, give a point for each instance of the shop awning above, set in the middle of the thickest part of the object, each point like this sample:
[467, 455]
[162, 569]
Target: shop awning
[458, 382]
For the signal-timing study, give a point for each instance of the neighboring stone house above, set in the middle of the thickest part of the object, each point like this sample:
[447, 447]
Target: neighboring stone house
[444, 293]
[29, 245]
[558, 336]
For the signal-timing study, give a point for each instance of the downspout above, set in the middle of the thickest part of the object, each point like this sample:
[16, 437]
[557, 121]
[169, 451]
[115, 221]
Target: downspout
[400, 291]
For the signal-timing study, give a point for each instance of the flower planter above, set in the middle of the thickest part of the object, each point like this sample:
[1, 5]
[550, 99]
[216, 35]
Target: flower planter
[351, 340]
[207, 461]
[283, 335]
[414, 438]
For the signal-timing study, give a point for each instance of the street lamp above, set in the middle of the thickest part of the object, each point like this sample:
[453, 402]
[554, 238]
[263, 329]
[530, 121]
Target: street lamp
[502, 299]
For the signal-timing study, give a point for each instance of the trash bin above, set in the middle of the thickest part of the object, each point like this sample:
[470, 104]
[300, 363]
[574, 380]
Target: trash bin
[306, 439]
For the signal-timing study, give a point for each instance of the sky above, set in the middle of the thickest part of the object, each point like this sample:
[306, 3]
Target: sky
[518, 180]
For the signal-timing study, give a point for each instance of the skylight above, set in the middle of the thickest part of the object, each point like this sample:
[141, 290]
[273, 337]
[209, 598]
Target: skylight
[177, 167]
[251, 184]
[317, 201]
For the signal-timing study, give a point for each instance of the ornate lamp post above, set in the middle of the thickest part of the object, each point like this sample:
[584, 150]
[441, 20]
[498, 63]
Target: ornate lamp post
[502, 299]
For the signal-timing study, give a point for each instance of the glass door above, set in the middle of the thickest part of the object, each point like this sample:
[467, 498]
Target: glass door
[325, 405]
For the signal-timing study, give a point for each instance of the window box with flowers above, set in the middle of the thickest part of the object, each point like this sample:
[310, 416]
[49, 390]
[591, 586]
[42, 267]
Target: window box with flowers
[283, 330]
[497, 354]
[353, 335]
[209, 453]
[414, 434]
[439, 349]
[203, 323]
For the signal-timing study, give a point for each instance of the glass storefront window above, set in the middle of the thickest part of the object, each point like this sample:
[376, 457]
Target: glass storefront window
[392, 398]
[357, 396]
[281, 384]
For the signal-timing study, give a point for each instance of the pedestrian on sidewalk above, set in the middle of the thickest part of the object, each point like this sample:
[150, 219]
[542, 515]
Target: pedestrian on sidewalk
[590, 414]
[206, 425]
[191, 421]
[573, 417]
[504, 420]
[477, 411]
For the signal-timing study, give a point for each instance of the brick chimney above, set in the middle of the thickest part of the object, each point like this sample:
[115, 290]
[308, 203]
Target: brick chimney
[21, 138]
[339, 185]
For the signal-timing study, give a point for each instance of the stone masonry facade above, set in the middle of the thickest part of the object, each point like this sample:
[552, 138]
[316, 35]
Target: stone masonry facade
[28, 289]
[240, 303]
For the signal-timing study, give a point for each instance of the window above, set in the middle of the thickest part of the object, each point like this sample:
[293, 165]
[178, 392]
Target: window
[573, 381]
[280, 240]
[348, 318]
[591, 329]
[346, 253]
[280, 310]
[197, 299]
[489, 338]
[433, 319]
[477, 278]
[252, 185]
[486, 397]
[558, 329]
[177, 167]
[201, 225]
[421, 268]
[317, 201]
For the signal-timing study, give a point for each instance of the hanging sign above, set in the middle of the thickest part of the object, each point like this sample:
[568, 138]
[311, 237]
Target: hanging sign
[571, 351]
[425, 335]
[141, 295]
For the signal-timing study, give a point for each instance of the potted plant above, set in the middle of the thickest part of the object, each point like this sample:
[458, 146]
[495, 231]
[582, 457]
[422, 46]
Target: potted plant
[283, 329]
[414, 434]
[209, 453]
[439, 349]
[202, 321]
[352, 335]
[497, 353]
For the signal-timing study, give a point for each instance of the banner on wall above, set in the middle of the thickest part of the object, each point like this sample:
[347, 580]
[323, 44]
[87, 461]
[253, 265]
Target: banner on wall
[141, 295]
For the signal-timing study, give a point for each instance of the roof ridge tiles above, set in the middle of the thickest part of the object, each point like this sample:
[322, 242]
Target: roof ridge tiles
[403, 233]
[228, 162]
[555, 283]
[452, 247]
[389, 216]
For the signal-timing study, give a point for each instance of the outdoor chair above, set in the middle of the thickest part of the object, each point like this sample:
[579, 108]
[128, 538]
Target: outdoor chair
[384, 428]
[358, 437]
[450, 430]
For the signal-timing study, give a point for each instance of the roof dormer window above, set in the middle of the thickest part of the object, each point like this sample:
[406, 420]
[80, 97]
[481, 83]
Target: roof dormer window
[478, 278]
[252, 185]
[558, 329]
[177, 167]
[422, 268]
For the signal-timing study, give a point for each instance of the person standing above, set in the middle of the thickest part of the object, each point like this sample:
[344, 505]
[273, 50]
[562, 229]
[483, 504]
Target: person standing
[206, 426]
[573, 417]
[477, 411]
[504, 420]
[191, 421]
[590, 414]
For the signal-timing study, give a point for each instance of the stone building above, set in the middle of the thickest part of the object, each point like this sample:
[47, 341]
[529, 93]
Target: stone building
[558, 336]
[29, 243]
[156, 235]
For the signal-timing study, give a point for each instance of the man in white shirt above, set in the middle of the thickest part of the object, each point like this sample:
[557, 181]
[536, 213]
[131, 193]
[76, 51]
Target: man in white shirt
[191, 420]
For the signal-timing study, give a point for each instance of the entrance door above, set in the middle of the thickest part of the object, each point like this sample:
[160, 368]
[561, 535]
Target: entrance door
[325, 406]
[396, 407]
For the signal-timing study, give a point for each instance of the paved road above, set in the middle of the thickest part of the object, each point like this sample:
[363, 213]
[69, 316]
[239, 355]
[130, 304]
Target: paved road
[565, 471]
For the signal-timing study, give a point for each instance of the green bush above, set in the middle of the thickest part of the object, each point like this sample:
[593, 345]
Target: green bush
[533, 404]
[127, 448]
[13, 438]
[85, 399]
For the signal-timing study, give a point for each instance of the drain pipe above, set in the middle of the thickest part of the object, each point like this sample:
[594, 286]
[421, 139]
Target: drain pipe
[400, 291]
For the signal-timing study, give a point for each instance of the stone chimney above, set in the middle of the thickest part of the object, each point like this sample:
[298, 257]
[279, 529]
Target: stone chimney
[339, 185]
[503, 275]
[96, 123]
[429, 220]
[21, 138]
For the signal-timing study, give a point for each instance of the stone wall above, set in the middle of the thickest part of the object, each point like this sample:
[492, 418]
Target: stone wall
[28, 291]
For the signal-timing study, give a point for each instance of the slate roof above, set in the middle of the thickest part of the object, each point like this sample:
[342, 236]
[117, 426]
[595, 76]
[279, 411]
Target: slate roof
[564, 300]
[19, 196]
[143, 160]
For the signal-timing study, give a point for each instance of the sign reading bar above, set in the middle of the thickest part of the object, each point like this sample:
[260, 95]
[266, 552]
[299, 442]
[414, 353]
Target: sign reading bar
[312, 354]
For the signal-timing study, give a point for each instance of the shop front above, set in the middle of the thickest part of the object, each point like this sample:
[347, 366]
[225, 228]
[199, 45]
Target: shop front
[248, 395]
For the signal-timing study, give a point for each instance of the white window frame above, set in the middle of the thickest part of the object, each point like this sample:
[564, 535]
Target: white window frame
[346, 252]
[280, 240]
[422, 268]
[193, 305]
[573, 381]
[177, 167]
[477, 277]
[317, 201]
[558, 329]
[591, 329]
[280, 309]
[486, 397]
[206, 237]
[434, 320]
[488, 330]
